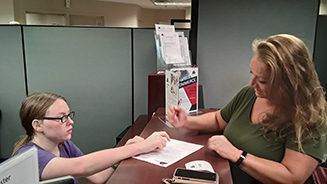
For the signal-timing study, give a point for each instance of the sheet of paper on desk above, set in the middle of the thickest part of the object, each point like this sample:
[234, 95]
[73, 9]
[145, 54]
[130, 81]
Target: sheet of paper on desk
[174, 151]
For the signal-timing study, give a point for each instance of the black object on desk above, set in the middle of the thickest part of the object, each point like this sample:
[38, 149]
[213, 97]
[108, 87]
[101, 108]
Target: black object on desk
[121, 135]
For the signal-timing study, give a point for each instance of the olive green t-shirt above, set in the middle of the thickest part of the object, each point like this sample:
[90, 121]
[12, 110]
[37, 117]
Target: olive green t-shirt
[245, 135]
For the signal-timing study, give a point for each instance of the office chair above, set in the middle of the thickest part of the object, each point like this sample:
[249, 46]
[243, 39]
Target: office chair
[60, 180]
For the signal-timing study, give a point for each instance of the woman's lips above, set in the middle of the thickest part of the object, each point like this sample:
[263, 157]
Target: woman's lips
[257, 91]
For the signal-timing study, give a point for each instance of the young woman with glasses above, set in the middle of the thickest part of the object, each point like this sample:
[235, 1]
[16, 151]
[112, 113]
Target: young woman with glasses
[48, 122]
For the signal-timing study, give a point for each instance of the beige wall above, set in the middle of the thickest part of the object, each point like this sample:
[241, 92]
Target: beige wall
[6, 11]
[115, 14]
[188, 13]
[150, 17]
[323, 7]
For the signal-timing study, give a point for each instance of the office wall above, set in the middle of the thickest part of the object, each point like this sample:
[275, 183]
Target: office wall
[6, 11]
[323, 7]
[226, 29]
[115, 14]
[149, 17]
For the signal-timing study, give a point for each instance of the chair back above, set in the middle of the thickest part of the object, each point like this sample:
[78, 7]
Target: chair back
[60, 180]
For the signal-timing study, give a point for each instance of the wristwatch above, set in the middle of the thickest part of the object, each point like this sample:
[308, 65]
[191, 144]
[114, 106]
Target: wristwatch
[240, 160]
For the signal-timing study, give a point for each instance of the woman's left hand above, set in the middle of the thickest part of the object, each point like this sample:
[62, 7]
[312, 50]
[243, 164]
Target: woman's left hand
[221, 145]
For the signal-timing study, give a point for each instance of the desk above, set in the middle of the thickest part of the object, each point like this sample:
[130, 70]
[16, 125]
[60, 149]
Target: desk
[134, 171]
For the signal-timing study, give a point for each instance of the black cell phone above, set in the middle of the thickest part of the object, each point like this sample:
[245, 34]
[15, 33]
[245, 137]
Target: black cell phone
[197, 176]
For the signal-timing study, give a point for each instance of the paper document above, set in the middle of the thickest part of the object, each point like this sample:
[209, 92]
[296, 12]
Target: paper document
[174, 151]
[164, 29]
[171, 48]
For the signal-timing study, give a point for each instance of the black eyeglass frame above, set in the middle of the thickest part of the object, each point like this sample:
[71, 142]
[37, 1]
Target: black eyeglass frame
[70, 115]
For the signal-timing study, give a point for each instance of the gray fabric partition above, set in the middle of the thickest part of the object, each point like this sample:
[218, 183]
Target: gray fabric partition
[91, 68]
[320, 54]
[226, 29]
[12, 87]
[145, 62]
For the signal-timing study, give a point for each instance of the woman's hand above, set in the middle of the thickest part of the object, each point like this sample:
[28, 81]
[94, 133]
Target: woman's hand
[221, 145]
[135, 139]
[177, 116]
[156, 141]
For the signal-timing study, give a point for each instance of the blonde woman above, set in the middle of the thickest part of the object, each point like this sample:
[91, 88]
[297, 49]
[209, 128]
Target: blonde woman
[274, 128]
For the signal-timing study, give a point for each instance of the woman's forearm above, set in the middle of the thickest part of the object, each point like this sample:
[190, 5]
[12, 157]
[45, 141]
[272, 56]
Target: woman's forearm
[206, 122]
[268, 171]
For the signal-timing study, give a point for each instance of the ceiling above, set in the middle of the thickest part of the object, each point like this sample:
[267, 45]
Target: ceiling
[148, 4]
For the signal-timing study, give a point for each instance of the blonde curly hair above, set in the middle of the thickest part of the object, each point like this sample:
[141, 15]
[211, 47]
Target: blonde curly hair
[295, 89]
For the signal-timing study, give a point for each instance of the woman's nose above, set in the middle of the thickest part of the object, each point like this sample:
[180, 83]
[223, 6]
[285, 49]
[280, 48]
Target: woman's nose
[252, 81]
[70, 121]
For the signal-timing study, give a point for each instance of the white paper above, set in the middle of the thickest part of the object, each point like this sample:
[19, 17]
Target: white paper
[180, 34]
[185, 51]
[164, 28]
[174, 151]
[171, 48]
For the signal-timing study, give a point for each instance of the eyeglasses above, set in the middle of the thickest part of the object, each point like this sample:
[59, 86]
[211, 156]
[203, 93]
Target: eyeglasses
[63, 119]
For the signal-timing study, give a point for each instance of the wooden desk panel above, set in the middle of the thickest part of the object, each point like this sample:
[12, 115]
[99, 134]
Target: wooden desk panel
[156, 92]
[134, 171]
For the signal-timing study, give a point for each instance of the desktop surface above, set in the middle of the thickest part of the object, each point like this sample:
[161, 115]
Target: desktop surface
[135, 171]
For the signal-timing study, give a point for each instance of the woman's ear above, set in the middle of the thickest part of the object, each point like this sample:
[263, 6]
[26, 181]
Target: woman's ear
[37, 125]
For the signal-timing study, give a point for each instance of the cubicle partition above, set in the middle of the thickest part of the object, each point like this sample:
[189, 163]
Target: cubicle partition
[12, 90]
[143, 52]
[320, 53]
[101, 71]
[91, 68]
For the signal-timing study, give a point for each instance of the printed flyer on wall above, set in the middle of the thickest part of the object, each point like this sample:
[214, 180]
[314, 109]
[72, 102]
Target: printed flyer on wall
[188, 88]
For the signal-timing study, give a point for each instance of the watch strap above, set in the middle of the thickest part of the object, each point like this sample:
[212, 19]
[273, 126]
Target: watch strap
[240, 160]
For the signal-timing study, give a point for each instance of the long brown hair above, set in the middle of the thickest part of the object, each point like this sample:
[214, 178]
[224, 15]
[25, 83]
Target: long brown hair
[296, 91]
[33, 107]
